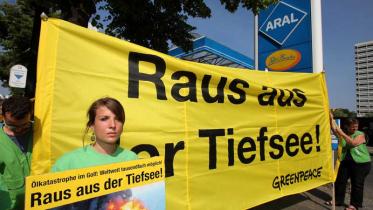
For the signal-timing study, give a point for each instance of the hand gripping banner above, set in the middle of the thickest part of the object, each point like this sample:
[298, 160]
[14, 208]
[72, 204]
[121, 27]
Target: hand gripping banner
[231, 138]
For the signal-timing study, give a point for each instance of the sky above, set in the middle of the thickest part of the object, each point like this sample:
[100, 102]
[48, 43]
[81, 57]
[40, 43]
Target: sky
[344, 23]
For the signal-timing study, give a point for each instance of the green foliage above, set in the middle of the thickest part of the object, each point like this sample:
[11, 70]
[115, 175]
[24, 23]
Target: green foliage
[254, 5]
[152, 24]
[343, 113]
[15, 37]
[370, 114]
[19, 32]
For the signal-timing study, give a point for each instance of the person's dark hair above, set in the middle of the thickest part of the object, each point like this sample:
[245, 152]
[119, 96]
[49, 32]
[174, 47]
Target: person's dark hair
[17, 106]
[112, 104]
[348, 122]
[351, 121]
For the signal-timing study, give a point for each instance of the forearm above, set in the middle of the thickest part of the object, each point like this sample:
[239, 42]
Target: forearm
[353, 142]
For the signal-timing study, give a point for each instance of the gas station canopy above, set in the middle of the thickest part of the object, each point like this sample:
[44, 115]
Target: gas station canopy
[206, 50]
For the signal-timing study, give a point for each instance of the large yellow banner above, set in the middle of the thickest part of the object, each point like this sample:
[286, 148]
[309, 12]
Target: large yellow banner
[232, 138]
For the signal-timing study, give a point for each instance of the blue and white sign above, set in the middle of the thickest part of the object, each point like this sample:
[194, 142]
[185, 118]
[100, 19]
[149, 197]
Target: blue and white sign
[285, 37]
[17, 76]
[334, 138]
[282, 21]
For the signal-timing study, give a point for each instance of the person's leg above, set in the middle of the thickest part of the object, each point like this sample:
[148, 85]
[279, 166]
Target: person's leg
[358, 173]
[341, 182]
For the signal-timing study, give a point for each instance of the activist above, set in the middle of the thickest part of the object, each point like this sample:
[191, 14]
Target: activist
[355, 163]
[106, 118]
[15, 151]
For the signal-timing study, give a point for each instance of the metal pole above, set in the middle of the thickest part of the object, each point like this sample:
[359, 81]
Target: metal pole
[317, 49]
[333, 191]
[256, 42]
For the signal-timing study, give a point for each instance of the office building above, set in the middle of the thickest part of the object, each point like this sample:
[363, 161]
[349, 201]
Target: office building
[364, 78]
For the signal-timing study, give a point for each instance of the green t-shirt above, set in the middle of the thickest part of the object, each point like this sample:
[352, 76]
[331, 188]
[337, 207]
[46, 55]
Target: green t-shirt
[359, 153]
[14, 167]
[88, 156]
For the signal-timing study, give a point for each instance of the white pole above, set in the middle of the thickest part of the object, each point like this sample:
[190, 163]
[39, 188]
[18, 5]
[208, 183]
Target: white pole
[256, 42]
[333, 186]
[317, 49]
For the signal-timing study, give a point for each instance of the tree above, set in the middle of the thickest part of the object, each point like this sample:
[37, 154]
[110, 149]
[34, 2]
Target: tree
[15, 34]
[343, 113]
[150, 23]
[369, 114]
[20, 28]
[254, 5]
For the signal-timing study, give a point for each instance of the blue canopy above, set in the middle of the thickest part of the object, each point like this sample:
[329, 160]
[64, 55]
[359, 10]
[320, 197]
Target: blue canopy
[206, 50]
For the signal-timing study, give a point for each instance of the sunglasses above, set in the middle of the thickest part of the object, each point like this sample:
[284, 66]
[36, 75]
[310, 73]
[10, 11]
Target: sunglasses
[18, 127]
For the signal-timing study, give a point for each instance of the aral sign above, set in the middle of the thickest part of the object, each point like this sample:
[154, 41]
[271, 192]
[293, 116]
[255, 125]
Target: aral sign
[285, 37]
[282, 21]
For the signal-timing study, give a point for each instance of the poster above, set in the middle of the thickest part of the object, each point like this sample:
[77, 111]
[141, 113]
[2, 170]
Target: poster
[137, 185]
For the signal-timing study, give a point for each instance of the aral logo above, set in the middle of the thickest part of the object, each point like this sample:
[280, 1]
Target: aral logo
[282, 60]
[281, 22]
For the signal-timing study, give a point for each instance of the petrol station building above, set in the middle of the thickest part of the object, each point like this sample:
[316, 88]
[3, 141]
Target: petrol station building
[206, 50]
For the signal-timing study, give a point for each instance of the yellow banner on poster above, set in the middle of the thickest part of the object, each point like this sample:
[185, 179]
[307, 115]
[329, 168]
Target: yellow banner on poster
[69, 187]
[231, 138]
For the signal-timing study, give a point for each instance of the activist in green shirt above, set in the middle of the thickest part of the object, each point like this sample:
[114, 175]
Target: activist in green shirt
[15, 151]
[355, 163]
[106, 119]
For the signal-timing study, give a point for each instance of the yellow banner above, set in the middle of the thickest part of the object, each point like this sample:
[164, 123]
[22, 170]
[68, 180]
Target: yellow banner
[115, 181]
[232, 138]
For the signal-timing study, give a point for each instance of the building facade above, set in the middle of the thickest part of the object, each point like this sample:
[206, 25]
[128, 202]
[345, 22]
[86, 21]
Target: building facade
[364, 78]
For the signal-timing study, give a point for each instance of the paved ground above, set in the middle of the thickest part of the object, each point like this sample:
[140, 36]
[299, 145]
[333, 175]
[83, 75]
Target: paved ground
[314, 199]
